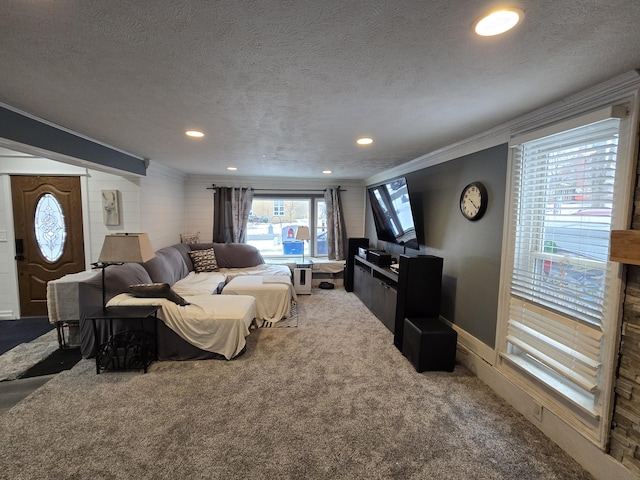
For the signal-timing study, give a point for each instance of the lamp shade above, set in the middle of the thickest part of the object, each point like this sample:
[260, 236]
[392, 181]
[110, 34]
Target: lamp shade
[126, 247]
[303, 233]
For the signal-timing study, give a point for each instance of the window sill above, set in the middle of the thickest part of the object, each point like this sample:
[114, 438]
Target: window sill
[573, 396]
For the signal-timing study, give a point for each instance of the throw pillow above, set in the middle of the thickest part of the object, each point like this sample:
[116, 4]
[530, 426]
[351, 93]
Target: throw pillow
[204, 260]
[190, 238]
[157, 290]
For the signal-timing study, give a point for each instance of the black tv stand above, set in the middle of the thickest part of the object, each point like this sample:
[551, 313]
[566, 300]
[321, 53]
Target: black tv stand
[412, 292]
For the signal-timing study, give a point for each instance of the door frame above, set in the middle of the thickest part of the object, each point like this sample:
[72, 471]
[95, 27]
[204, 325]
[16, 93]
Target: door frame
[48, 167]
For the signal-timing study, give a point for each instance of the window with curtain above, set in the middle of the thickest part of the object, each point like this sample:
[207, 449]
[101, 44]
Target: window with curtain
[560, 294]
[273, 223]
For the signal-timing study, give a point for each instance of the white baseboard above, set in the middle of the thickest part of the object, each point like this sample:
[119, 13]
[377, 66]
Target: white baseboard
[7, 315]
[472, 344]
[601, 465]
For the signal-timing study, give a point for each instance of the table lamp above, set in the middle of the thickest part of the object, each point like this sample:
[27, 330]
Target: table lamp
[303, 234]
[119, 248]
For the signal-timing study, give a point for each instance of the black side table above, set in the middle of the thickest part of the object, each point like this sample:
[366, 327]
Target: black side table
[128, 349]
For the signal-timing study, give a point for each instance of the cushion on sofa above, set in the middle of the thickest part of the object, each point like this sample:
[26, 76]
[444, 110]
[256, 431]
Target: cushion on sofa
[183, 249]
[157, 290]
[204, 260]
[168, 266]
[233, 255]
[117, 278]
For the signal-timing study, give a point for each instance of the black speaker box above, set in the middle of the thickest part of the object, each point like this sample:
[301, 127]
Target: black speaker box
[429, 344]
[419, 290]
[379, 258]
[353, 244]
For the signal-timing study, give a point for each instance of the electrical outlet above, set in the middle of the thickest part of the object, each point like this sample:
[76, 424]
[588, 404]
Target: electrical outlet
[3, 235]
[537, 412]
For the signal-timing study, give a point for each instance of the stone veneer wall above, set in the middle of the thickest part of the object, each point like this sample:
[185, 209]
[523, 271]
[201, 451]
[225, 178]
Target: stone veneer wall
[625, 433]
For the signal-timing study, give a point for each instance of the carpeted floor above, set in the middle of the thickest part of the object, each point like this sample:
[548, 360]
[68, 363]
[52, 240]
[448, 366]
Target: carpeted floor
[331, 399]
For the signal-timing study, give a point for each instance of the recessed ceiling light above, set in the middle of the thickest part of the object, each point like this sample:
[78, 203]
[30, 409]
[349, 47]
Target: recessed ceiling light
[194, 133]
[364, 141]
[327, 172]
[498, 22]
[233, 169]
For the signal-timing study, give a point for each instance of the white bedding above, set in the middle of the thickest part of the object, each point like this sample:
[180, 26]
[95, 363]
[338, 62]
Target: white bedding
[205, 283]
[214, 323]
[263, 269]
[273, 294]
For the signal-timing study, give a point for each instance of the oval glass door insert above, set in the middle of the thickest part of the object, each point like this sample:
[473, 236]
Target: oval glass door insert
[49, 227]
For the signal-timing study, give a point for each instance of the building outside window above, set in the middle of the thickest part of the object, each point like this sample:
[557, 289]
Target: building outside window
[278, 208]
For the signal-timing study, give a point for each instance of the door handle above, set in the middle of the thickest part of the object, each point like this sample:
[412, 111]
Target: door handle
[19, 249]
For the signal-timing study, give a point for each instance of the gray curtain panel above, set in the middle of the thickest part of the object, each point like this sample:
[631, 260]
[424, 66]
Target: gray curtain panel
[336, 231]
[231, 207]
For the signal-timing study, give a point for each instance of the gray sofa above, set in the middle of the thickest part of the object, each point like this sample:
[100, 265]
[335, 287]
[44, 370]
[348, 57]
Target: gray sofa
[169, 265]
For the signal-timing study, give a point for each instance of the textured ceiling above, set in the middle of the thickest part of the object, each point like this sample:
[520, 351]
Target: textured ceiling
[283, 88]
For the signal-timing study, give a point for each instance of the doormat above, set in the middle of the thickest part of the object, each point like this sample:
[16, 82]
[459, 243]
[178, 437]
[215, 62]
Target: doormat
[24, 330]
[60, 360]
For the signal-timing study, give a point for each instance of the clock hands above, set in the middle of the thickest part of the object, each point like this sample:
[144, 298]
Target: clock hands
[473, 201]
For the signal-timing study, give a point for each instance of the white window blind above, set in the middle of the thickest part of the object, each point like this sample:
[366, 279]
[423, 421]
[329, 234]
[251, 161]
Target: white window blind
[562, 205]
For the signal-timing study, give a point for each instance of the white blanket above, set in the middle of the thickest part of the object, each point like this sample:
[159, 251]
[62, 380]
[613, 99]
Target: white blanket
[63, 296]
[263, 269]
[214, 323]
[205, 283]
[273, 294]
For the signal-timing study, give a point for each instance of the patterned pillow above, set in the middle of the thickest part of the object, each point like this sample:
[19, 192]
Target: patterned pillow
[204, 260]
[190, 238]
[157, 290]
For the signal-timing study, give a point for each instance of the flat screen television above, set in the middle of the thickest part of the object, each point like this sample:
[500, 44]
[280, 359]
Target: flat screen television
[392, 213]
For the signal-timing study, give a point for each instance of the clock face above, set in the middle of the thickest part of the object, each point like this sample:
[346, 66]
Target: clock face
[473, 201]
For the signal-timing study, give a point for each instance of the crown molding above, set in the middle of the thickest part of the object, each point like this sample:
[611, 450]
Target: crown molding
[617, 89]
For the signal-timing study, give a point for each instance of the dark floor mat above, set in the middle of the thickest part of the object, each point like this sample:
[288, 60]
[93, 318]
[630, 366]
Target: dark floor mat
[24, 330]
[61, 359]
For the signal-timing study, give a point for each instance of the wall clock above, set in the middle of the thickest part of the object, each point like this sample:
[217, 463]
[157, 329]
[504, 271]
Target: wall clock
[473, 201]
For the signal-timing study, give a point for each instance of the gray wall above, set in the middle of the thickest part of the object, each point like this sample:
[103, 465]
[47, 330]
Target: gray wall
[471, 250]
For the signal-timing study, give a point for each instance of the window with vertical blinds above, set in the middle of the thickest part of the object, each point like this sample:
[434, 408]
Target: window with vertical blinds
[561, 210]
